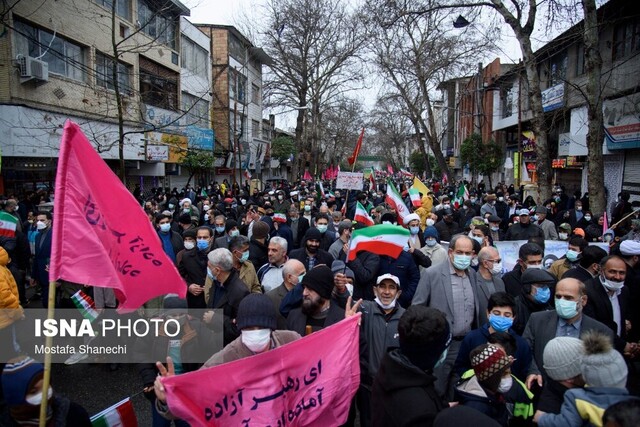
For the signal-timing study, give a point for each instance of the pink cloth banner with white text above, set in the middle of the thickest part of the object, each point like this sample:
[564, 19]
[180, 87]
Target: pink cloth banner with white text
[309, 382]
[101, 235]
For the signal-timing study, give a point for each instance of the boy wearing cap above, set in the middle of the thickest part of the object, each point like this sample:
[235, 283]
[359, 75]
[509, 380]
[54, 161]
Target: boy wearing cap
[378, 331]
[491, 389]
[22, 381]
[605, 374]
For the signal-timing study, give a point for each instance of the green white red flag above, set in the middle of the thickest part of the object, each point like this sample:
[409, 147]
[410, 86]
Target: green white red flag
[362, 215]
[86, 305]
[8, 225]
[383, 239]
[461, 196]
[394, 199]
[121, 414]
[415, 197]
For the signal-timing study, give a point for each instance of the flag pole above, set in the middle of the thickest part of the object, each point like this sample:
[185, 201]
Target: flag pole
[46, 379]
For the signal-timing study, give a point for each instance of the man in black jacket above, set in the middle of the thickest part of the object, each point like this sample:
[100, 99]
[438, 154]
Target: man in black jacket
[227, 292]
[524, 229]
[310, 253]
[403, 390]
[529, 256]
[318, 309]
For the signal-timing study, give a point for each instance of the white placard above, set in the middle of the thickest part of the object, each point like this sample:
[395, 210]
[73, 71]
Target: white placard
[349, 180]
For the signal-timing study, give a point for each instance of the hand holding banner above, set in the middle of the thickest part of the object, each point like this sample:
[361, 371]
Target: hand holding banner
[309, 382]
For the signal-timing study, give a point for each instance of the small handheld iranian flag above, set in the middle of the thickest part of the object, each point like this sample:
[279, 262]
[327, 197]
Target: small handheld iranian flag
[8, 224]
[362, 215]
[279, 217]
[395, 200]
[415, 197]
[86, 305]
[383, 239]
[121, 414]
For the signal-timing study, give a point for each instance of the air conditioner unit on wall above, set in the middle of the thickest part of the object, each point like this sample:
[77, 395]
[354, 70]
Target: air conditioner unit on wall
[33, 69]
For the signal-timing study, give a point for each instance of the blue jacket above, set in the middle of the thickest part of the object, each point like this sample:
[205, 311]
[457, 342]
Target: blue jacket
[584, 406]
[480, 336]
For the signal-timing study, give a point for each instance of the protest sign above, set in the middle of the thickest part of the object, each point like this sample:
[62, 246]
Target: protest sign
[309, 382]
[350, 180]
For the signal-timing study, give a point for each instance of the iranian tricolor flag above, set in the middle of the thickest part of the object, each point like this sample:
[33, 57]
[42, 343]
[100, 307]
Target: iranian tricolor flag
[395, 200]
[362, 215]
[280, 217]
[383, 239]
[86, 305]
[463, 194]
[121, 414]
[8, 224]
[415, 197]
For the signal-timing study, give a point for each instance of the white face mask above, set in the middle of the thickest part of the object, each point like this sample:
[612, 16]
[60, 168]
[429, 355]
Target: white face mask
[36, 399]
[563, 236]
[189, 245]
[257, 341]
[389, 306]
[165, 227]
[41, 225]
[430, 222]
[497, 268]
[611, 284]
[505, 384]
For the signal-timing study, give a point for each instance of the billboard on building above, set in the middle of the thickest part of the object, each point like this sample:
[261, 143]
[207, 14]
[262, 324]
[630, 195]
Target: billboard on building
[622, 122]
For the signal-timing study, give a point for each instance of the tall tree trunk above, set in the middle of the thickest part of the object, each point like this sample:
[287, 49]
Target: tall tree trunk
[593, 71]
[543, 162]
[298, 162]
[423, 150]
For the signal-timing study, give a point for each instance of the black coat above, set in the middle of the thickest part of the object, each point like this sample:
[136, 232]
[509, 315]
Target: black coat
[599, 307]
[403, 394]
[322, 257]
[303, 226]
[193, 267]
[235, 291]
[258, 253]
[513, 281]
[520, 232]
[297, 320]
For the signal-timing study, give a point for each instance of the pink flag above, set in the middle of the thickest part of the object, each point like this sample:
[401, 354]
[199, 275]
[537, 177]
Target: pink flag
[101, 235]
[307, 175]
[605, 223]
[389, 169]
[309, 382]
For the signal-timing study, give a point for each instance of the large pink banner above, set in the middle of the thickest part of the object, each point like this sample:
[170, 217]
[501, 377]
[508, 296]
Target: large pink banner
[101, 235]
[309, 382]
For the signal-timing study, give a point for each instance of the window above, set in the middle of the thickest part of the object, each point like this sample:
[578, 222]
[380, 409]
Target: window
[123, 7]
[507, 102]
[237, 79]
[255, 94]
[237, 49]
[255, 129]
[626, 39]
[558, 69]
[156, 24]
[104, 74]
[63, 56]
[196, 110]
[266, 131]
[158, 85]
[580, 60]
[194, 58]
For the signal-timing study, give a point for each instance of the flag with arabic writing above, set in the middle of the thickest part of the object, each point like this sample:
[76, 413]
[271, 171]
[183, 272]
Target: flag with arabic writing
[309, 382]
[101, 236]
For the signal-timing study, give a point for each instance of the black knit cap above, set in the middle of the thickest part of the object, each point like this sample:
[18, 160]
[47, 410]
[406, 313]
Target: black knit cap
[319, 279]
[230, 224]
[256, 310]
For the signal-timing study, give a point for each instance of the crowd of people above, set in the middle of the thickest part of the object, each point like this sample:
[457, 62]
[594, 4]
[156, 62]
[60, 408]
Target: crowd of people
[446, 333]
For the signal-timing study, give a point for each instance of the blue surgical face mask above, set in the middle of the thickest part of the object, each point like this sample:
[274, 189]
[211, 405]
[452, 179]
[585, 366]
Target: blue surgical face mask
[202, 244]
[220, 229]
[210, 274]
[542, 295]
[500, 323]
[234, 233]
[300, 277]
[414, 230]
[322, 228]
[461, 262]
[478, 239]
[165, 227]
[566, 309]
[431, 242]
[244, 257]
[572, 255]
